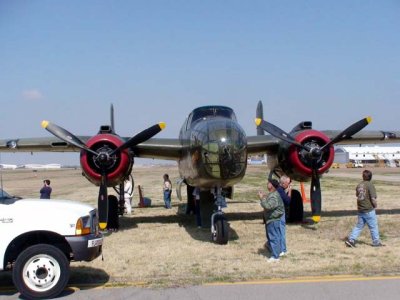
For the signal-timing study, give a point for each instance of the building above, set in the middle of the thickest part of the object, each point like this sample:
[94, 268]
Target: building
[382, 155]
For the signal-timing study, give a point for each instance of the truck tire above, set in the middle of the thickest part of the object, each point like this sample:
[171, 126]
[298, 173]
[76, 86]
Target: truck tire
[41, 271]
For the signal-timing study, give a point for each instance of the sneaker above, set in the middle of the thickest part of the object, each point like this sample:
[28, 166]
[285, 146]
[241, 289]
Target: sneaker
[350, 243]
[378, 245]
[272, 260]
[282, 254]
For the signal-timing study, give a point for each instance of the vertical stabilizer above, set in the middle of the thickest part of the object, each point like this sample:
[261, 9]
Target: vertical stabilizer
[112, 118]
[260, 115]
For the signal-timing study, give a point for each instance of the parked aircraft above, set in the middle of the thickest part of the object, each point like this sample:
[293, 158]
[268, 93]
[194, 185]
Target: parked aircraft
[8, 166]
[211, 152]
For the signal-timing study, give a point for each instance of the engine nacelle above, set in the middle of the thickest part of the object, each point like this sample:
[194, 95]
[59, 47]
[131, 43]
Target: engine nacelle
[297, 163]
[118, 165]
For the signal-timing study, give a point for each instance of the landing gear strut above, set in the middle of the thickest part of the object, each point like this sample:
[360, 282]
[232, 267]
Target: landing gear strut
[219, 224]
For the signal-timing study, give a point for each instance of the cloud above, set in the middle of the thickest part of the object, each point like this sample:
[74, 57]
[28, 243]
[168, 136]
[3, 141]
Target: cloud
[32, 94]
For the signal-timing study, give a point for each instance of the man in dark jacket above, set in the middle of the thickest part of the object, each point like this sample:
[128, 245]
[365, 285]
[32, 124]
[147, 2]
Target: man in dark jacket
[45, 191]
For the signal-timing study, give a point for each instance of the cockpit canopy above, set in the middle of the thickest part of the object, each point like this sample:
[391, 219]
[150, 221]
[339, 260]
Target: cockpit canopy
[206, 112]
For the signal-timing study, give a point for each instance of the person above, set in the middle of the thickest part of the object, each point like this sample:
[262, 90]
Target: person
[45, 191]
[273, 211]
[190, 208]
[167, 190]
[366, 205]
[196, 198]
[128, 190]
[285, 191]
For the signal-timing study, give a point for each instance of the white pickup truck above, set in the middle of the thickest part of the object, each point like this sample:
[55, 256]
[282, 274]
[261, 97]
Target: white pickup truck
[39, 238]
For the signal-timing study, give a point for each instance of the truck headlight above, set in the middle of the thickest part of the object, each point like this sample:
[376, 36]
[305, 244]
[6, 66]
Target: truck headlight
[83, 226]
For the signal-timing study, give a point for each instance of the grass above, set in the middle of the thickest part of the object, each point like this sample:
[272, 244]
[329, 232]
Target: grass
[156, 247]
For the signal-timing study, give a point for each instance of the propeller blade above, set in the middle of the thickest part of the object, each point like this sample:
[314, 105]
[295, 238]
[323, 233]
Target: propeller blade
[102, 202]
[260, 115]
[315, 197]
[65, 135]
[278, 133]
[349, 131]
[141, 136]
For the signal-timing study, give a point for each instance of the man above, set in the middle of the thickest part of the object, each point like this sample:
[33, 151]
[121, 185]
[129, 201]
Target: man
[285, 190]
[273, 211]
[45, 191]
[197, 211]
[366, 204]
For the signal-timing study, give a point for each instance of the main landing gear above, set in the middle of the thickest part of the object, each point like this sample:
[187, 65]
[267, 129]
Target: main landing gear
[219, 224]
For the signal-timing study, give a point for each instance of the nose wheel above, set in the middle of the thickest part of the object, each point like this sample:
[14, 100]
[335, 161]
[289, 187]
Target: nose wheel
[219, 224]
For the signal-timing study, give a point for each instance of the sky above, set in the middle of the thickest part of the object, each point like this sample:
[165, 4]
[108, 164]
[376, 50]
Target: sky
[329, 62]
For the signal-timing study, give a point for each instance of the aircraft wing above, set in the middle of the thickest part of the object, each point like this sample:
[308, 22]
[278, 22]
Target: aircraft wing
[42, 144]
[262, 144]
[159, 148]
[171, 149]
[367, 137]
[270, 145]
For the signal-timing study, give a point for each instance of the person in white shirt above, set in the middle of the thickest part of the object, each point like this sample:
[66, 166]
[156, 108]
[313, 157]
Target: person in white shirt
[128, 191]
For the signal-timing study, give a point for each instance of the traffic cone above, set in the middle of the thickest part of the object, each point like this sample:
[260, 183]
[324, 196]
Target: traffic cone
[303, 193]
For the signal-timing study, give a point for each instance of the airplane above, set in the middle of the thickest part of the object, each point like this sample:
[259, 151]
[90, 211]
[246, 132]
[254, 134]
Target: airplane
[211, 151]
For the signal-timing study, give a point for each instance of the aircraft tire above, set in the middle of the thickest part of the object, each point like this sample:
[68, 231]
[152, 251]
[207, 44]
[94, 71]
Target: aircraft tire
[41, 271]
[221, 236]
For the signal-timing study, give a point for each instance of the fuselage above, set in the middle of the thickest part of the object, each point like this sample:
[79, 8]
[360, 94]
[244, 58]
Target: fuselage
[214, 148]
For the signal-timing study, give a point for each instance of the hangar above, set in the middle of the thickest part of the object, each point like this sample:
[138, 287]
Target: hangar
[383, 156]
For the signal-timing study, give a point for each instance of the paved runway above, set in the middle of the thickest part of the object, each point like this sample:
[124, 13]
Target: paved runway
[327, 288]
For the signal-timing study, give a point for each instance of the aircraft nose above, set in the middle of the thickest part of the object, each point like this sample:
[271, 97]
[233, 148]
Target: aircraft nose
[224, 148]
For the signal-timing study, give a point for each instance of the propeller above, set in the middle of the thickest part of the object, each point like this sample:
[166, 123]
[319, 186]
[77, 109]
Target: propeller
[314, 154]
[279, 133]
[65, 135]
[141, 137]
[103, 157]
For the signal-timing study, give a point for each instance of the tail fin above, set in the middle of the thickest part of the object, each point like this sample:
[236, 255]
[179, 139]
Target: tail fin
[260, 115]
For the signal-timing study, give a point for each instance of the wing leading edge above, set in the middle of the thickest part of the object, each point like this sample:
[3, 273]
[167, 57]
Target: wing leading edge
[171, 149]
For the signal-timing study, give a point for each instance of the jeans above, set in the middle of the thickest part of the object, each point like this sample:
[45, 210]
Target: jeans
[371, 220]
[274, 236]
[283, 233]
[167, 199]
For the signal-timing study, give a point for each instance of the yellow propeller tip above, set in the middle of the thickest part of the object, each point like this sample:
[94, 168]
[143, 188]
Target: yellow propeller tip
[316, 219]
[258, 121]
[369, 119]
[45, 123]
[102, 225]
[162, 125]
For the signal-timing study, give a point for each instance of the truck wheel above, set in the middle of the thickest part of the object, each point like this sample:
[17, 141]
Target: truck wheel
[41, 271]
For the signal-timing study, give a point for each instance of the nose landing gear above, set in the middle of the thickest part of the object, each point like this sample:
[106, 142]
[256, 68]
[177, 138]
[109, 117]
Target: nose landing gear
[219, 224]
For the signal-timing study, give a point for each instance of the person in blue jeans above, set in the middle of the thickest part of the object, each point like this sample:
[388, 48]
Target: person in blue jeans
[366, 205]
[273, 211]
[167, 191]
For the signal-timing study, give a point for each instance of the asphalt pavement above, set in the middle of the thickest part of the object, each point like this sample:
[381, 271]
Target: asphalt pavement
[327, 288]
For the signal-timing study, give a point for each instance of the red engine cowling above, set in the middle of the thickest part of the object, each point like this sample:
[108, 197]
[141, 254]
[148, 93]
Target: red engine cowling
[118, 165]
[299, 158]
